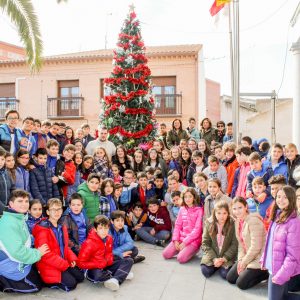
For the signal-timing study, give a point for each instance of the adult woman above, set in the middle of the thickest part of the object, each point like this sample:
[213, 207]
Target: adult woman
[220, 131]
[176, 134]
[122, 160]
[208, 133]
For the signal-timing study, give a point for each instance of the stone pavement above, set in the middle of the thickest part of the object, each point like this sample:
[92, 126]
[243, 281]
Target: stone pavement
[156, 279]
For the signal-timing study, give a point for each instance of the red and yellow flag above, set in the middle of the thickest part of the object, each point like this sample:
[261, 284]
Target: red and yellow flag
[221, 2]
[217, 6]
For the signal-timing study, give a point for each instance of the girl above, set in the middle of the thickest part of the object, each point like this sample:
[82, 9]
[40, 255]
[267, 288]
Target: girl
[219, 243]
[86, 167]
[79, 146]
[35, 213]
[79, 134]
[107, 202]
[159, 146]
[123, 160]
[89, 192]
[10, 166]
[69, 135]
[155, 162]
[175, 158]
[187, 234]
[22, 173]
[185, 161]
[166, 155]
[101, 162]
[176, 134]
[201, 186]
[138, 161]
[116, 174]
[251, 235]
[298, 201]
[197, 166]
[204, 148]
[78, 157]
[282, 252]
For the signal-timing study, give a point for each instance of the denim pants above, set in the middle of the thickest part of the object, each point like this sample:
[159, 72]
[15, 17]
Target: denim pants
[280, 292]
[144, 234]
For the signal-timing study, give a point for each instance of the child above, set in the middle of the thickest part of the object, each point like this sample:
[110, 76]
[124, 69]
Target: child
[45, 127]
[196, 166]
[183, 144]
[228, 137]
[166, 155]
[175, 157]
[101, 162]
[17, 273]
[6, 183]
[126, 200]
[216, 170]
[25, 137]
[118, 192]
[107, 202]
[219, 243]
[123, 246]
[277, 162]
[251, 235]
[215, 195]
[204, 148]
[258, 168]
[35, 213]
[57, 268]
[22, 173]
[77, 222]
[261, 199]
[136, 219]
[231, 164]
[261, 146]
[219, 153]
[96, 257]
[174, 206]
[138, 161]
[89, 192]
[201, 187]
[173, 185]
[155, 161]
[52, 158]
[185, 161]
[187, 233]
[160, 187]
[86, 167]
[150, 171]
[40, 179]
[246, 141]
[116, 174]
[298, 201]
[160, 224]
[159, 146]
[293, 164]
[282, 252]
[240, 175]
[10, 166]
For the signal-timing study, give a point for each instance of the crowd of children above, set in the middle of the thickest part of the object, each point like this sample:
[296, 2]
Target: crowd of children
[72, 206]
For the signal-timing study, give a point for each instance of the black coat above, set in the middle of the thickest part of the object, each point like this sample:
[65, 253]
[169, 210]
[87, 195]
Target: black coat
[6, 187]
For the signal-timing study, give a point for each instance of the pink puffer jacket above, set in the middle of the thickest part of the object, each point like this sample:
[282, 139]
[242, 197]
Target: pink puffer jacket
[286, 250]
[188, 226]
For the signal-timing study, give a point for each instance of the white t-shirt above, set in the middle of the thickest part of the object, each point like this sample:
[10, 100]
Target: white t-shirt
[109, 147]
[12, 144]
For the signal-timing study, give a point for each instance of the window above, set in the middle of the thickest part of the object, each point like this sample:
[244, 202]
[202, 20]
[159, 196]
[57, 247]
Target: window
[68, 103]
[7, 90]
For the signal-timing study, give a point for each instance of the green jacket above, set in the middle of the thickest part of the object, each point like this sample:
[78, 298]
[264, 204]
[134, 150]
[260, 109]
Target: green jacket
[209, 135]
[173, 139]
[210, 246]
[91, 201]
[15, 239]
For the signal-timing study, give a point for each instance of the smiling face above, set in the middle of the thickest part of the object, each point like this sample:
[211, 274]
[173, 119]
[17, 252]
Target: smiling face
[12, 120]
[175, 153]
[200, 182]
[108, 189]
[202, 146]
[189, 199]
[23, 160]
[281, 200]
[20, 205]
[185, 155]
[291, 153]
[138, 157]
[192, 145]
[28, 125]
[93, 184]
[173, 185]
[213, 188]
[102, 231]
[36, 210]
[88, 163]
[118, 223]
[256, 165]
[69, 133]
[54, 212]
[276, 153]
[239, 210]
[9, 162]
[221, 215]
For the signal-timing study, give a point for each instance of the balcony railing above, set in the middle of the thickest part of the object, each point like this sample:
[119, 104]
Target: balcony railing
[168, 104]
[65, 108]
[8, 104]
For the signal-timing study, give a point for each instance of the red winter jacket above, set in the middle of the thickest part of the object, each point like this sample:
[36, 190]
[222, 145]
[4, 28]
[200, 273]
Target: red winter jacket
[94, 253]
[68, 175]
[161, 220]
[52, 264]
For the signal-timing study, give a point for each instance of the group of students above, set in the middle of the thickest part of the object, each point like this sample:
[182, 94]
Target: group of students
[70, 215]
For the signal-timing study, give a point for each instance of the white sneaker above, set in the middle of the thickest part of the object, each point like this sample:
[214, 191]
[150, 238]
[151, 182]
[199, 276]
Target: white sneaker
[112, 284]
[130, 276]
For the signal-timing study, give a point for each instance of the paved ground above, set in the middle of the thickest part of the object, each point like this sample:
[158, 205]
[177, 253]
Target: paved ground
[156, 279]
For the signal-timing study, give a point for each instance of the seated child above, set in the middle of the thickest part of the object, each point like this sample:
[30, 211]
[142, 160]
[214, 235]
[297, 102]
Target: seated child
[77, 222]
[216, 170]
[219, 153]
[150, 171]
[200, 180]
[174, 207]
[115, 170]
[261, 199]
[17, 273]
[136, 219]
[173, 185]
[57, 268]
[118, 192]
[35, 213]
[261, 146]
[160, 224]
[160, 187]
[196, 166]
[293, 165]
[96, 257]
[219, 243]
[187, 233]
[123, 244]
[108, 204]
[126, 200]
[298, 201]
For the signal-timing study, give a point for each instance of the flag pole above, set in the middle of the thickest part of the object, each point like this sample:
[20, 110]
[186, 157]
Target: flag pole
[231, 59]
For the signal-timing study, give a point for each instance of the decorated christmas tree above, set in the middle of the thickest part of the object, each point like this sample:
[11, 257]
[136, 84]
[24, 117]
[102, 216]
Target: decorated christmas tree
[129, 112]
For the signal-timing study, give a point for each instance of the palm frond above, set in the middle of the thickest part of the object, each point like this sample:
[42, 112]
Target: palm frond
[22, 14]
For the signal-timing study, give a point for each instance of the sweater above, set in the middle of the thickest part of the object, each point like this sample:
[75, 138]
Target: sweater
[160, 220]
[221, 174]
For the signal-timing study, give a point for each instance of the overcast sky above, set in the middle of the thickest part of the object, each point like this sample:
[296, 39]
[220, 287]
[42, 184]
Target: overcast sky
[80, 25]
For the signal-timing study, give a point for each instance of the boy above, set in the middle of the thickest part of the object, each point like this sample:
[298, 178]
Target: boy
[53, 131]
[136, 219]
[86, 134]
[25, 136]
[40, 138]
[261, 199]
[231, 164]
[261, 146]
[61, 137]
[150, 174]
[160, 188]
[77, 222]
[45, 128]
[182, 144]
[258, 168]
[118, 191]
[163, 134]
[195, 167]
[293, 164]
[6, 183]
[228, 137]
[40, 179]
[96, 257]
[215, 170]
[174, 207]
[57, 268]
[17, 273]
[173, 185]
[219, 153]
[246, 141]
[240, 176]
[143, 191]
[52, 147]
[126, 202]
[160, 227]
[123, 246]
[192, 131]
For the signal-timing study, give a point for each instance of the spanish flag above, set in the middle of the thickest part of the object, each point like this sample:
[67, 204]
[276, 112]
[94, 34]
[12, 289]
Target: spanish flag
[217, 6]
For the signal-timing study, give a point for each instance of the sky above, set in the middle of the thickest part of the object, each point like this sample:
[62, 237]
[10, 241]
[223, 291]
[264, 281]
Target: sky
[266, 62]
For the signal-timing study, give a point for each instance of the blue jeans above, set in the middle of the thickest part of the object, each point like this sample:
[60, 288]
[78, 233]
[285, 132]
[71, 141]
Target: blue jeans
[144, 234]
[280, 292]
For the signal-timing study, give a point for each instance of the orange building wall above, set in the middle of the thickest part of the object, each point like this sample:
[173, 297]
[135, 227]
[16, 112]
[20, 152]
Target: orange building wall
[11, 52]
[213, 109]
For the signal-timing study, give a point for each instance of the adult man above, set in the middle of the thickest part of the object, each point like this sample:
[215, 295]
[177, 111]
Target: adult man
[25, 137]
[86, 134]
[101, 142]
[192, 130]
[8, 139]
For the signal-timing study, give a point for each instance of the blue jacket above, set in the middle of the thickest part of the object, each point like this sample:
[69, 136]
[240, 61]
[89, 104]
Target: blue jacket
[174, 165]
[41, 185]
[5, 138]
[281, 168]
[235, 182]
[261, 208]
[194, 133]
[31, 221]
[22, 179]
[256, 144]
[29, 140]
[227, 138]
[122, 241]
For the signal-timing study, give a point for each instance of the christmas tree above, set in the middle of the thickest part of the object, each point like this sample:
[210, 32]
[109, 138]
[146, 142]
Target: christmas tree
[129, 112]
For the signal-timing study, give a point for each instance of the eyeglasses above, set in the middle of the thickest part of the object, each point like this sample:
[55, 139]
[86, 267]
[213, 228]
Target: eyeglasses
[53, 210]
[11, 118]
[26, 157]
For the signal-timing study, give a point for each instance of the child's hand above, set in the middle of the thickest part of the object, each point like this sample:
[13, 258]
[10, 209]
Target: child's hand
[152, 232]
[241, 267]
[249, 194]
[181, 246]
[176, 244]
[130, 216]
[127, 253]
[44, 249]
[55, 179]
[163, 203]
[262, 197]
[73, 264]
[149, 186]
